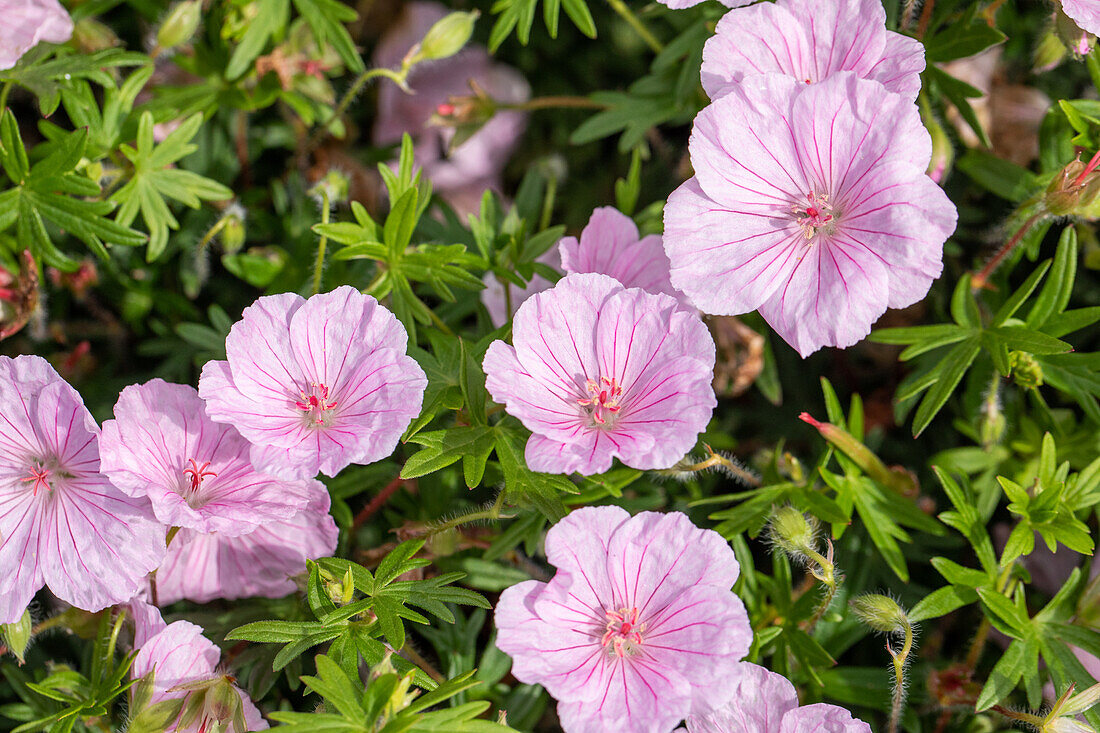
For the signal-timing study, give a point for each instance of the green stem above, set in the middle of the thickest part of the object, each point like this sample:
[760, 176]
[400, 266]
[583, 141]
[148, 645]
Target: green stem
[1092, 62]
[438, 322]
[492, 513]
[397, 77]
[548, 204]
[319, 266]
[635, 22]
[4, 92]
[982, 278]
[900, 660]
[552, 102]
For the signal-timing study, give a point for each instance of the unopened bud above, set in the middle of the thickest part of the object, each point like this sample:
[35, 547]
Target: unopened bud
[91, 36]
[993, 423]
[1049, 52]
[1074, 189]
[332, 188]
[896, 478]
[233, 232]
[943, 152]
[17, 636]
[180, 24]
[881, 613]
[1027, 372]
[793, 533]
[446, 38]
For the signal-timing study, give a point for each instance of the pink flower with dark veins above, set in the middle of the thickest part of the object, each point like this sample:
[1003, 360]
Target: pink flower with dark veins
[315, 384]
[597, 371]
[62, 523]
[462, 174]
[203, 566]
[196, 472]
[27, 23]
[611, 245]
[765, 702]
[184, 663]
[820, 223]
[1085, 13]
[681, 4]
[810, 41]
[637, 630]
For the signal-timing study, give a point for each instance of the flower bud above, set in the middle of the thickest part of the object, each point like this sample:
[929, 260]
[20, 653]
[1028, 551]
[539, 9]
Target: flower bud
[793, 533]
[881, 613]
[993, 424]
[1025, 369]
[1074, 189]
[91, 36]
[1049, 52]
[896, 478]
[180, 24]
[17, 636]
[943, 153]
[444, 39]
[332, 188]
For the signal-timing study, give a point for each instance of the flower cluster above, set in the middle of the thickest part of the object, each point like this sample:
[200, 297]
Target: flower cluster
[226, 474]
[822, 222]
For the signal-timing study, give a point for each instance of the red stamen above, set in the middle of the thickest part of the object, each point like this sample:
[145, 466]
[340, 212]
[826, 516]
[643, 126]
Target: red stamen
[40, 476]
[197, 473]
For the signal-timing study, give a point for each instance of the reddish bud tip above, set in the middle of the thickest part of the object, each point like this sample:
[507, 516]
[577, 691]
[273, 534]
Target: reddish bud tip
[808, 418]
[445, 110]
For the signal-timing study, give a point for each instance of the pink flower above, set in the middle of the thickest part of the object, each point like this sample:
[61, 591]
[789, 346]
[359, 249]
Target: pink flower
[315, 385]
[463, 174]
[637, 630]
[765, 702]
[26, 23]
[62, 523]
[181, 659]
[820, 223]
[493, 296]
[1086, 14]
[201, 567]
[810, 41]
[196, 472]
[681, 4]
[599, 371]
[610, 245]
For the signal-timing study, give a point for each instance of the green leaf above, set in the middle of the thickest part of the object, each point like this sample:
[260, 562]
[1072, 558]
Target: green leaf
[444, 447]
[998, 176]
[271, 16]
[326, 19]
[1005, 675]
[1022, 293]
[941, 602]
[948, 374]
[1056, 292]
[541, 491]
[961, 39]
[958, 93]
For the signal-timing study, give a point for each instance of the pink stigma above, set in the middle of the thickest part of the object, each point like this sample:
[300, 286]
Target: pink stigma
[813, 215]
[602, 396]
[445, 110]
[315, 403]
[624, 633]
[197, 473]
[40, 476]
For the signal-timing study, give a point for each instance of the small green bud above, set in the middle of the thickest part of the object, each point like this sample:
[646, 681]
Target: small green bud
[991, 429]
[182, 22]
[1025, 369]
[17, 636]
[90, 36]
[444, 39]
[793, 533]
[881, 613]
[233, 232]
[333, 188]
[943, 152]
[1049, 52]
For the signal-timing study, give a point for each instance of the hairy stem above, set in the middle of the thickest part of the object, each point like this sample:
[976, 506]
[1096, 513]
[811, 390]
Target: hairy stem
[982, 278]
[717, 459]
[900, 660]
[397, 77]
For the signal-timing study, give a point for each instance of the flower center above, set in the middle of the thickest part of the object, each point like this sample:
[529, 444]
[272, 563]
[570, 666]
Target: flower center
[315, 403]
[603, 399]
[196, 473]
[814, 214]
[40, 475]
[624, 634]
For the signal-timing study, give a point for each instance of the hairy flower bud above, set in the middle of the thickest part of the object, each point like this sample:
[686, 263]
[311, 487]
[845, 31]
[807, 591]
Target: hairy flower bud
[1074, 189]
[793, 533]
[444, 39]
[1025, 369]
[880, 612]
[180, 24]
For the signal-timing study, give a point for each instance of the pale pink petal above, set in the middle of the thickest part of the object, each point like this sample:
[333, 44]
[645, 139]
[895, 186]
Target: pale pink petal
[1085, 13]
[610, 245]
[822, 718]
[759, 701]
[202, 567]
[26, 23]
